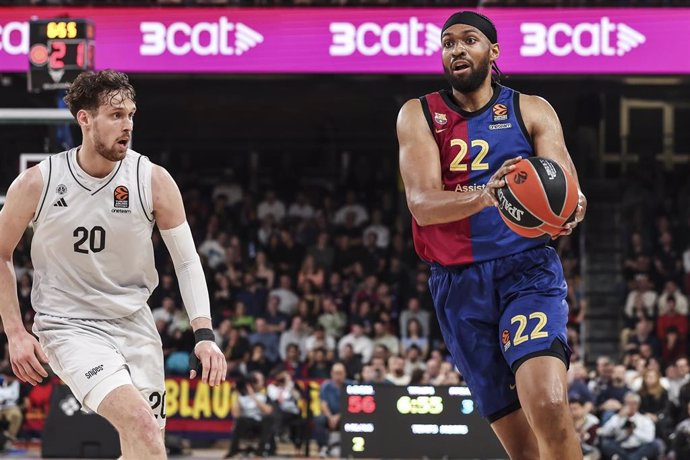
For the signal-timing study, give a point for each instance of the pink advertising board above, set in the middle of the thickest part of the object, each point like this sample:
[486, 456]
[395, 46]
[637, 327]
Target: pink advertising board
[371, 40]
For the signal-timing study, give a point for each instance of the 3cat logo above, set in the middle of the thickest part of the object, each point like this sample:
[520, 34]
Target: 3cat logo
[440, 118]
[520, 177]
[121, 196]
[500, 112]
[505, 338]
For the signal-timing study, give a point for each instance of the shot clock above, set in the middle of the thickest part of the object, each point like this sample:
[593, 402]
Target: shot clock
[386, 421]
[59, 50]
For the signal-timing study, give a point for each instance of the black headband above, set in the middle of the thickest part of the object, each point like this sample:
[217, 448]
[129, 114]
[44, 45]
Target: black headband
[473, 19]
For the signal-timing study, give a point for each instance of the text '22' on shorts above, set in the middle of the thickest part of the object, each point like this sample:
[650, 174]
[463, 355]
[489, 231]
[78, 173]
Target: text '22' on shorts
[496, 314]
[85, 352]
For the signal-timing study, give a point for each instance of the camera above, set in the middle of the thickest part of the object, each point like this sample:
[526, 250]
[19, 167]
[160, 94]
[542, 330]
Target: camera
[628, 425]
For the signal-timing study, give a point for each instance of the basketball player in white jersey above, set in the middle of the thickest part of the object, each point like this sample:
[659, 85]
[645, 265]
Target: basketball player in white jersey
[93, 209]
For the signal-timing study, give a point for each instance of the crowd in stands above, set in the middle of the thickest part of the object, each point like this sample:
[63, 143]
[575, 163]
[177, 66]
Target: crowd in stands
[636, 405]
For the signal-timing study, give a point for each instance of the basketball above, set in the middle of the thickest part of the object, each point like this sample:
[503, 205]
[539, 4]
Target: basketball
[538, 199]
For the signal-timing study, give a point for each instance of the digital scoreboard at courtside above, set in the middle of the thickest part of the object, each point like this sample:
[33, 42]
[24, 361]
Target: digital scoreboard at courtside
[387, 421]
[59, 50]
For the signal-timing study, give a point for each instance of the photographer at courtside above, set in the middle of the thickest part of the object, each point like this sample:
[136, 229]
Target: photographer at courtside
[253, 415]
[628, 434]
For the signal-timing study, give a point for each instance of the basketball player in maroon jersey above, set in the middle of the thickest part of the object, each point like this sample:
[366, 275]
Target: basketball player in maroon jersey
[499, 297]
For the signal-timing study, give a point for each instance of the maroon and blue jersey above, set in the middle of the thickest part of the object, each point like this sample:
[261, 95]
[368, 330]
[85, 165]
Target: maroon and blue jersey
[473, 146]
[499, 297]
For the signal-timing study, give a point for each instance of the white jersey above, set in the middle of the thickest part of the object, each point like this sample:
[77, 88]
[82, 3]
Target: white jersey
[91, 250]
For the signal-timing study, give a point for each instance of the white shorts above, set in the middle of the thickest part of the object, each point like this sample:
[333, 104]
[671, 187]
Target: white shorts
[101, 355]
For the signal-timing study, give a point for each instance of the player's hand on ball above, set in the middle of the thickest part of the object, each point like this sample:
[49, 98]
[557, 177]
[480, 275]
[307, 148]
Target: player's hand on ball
[497, 181]
[579, 216]
[27, 358]
[208, 358]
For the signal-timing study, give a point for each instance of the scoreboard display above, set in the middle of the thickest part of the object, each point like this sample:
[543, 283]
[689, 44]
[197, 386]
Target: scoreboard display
[59, 50]
[387, 421]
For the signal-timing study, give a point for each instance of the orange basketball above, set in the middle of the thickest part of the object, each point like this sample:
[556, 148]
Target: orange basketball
[539, 198]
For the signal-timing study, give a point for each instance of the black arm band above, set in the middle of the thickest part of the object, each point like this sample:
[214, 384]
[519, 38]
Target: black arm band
[204, 334]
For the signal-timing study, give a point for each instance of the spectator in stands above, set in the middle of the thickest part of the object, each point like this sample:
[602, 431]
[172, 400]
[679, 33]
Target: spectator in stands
[382, 336]
[361, 313]
[602, 376]
[396, 371]
[301, 209]
[332, 319]
[413, 360]
[577, 385]
[286, 398]
[322, 252]
[673, 345]
[319, 365]
[414, 336]
[292, 363]
[629, 434]
[329, 395]
[263, 271]
[671, 291]
[275, 319]
[414, 311]
[680, 445]
[241, 319]
[644, 335]
[310, 272]
[288, 298]
[258, 362]
[610, 399]
[644, 291]
[288, 255]
[319, 339]
[674, 385]
[166, 312]
[252, 415]
[236, 349]
[297, 334]
[268, 339]
[433, 371]
[351, 361]
[586, 426]
[351, 207]
[253, 294]
[271, 205]
[10, 402]
[361, 344]
[377, 228]
[667, 260]
[213, 249]
[654, 402]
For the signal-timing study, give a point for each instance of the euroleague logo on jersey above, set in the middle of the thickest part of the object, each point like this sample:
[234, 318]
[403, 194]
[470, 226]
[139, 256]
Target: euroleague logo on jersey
[505, 338]
[121, 197]
[500, 112]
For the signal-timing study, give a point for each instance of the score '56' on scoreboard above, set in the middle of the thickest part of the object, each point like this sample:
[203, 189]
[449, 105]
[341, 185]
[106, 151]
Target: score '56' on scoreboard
[387, 421]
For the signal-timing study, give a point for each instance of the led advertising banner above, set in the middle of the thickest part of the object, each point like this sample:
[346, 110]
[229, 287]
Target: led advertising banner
[362, 40]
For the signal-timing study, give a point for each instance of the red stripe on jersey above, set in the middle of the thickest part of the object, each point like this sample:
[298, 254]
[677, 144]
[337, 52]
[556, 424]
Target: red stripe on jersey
[450, 243]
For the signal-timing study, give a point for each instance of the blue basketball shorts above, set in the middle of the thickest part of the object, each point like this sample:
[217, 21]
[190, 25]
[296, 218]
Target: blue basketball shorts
[495, 315]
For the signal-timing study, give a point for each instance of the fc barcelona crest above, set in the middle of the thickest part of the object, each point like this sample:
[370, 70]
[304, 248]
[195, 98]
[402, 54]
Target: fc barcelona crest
[440, 118]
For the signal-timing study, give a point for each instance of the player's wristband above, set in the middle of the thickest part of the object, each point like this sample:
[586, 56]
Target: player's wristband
[204, 334]
[199, 336]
